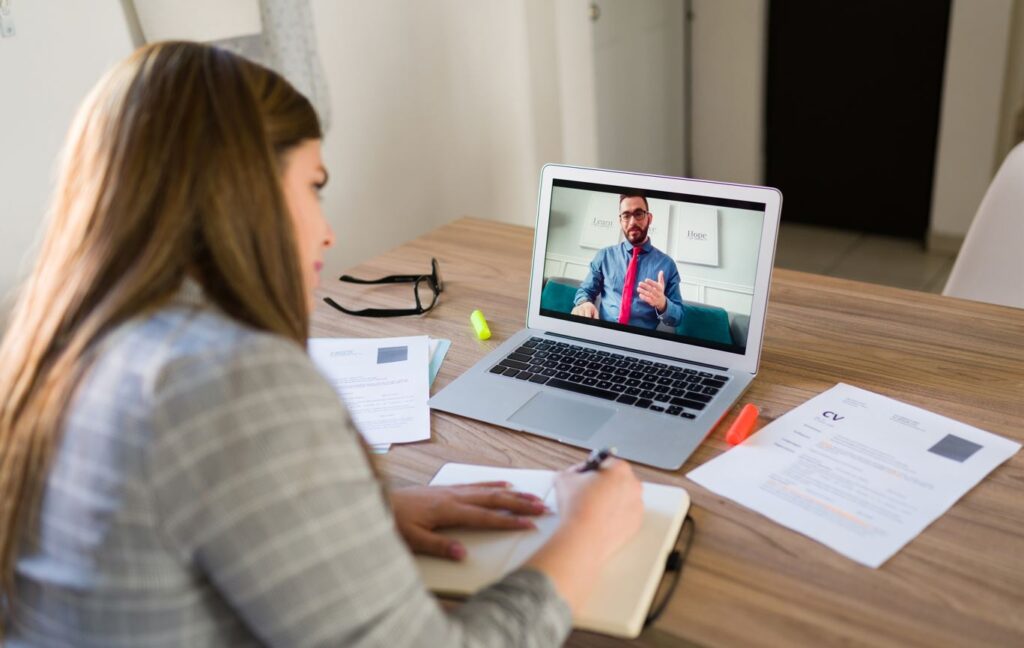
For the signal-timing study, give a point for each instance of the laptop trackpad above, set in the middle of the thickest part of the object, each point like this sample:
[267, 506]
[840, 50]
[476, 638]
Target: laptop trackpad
[562, 417]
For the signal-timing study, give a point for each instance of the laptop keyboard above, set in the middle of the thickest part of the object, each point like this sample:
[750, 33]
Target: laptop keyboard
[643, 383]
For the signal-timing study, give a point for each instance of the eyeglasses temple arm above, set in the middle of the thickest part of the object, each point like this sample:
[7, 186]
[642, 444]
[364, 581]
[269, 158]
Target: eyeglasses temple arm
[382, 280]
[374, 312]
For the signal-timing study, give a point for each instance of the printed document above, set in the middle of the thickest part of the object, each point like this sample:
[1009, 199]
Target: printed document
[858, 472]
[438, 350]
[383, 381]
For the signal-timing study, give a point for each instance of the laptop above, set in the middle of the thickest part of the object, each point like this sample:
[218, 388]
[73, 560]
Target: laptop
[645, 318]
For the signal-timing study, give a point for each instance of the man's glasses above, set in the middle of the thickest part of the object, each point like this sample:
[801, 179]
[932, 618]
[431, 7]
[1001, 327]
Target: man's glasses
[426, 289]
[636, 214]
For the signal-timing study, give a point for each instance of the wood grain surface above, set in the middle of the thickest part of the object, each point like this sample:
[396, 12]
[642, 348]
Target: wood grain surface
[749, 581]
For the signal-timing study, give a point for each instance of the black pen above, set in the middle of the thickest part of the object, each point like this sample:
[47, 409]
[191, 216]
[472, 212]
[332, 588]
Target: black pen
[596, 458]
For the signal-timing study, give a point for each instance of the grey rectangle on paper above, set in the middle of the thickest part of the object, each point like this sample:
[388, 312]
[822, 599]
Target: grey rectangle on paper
[392, 354]
[955, 448]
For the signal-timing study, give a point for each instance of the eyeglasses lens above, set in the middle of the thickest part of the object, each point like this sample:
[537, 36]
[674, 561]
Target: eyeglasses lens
[426, 296]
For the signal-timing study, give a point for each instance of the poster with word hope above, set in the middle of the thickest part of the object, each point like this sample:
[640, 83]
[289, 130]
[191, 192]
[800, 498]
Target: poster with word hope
[696, 234]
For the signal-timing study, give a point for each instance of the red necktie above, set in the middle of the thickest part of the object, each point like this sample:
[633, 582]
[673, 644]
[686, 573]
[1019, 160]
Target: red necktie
[628, 288]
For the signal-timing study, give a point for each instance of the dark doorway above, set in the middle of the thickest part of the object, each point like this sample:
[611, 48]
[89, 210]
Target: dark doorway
[852, 115]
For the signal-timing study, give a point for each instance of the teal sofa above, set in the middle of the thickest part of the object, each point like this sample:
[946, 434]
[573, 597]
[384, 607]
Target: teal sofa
[558, 296]
[705, 322]
[699, 320]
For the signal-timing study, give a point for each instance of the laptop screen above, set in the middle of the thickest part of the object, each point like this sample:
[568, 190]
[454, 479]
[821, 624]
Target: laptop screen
[668, 265]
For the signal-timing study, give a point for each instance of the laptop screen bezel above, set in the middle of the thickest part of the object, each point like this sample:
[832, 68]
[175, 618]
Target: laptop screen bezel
[747, 361]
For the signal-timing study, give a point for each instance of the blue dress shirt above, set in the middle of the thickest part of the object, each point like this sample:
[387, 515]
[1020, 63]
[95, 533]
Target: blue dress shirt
[608, 274]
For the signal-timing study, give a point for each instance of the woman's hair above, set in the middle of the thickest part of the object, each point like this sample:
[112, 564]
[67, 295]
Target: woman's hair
[172, 166]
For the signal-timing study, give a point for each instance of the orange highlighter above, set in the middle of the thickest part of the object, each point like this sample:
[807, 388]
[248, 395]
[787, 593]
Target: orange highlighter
[742, 426]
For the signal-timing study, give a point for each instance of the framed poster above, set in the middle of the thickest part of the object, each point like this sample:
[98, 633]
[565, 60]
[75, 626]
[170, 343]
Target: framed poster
[600, 231]
[658, 230]
[696, 239]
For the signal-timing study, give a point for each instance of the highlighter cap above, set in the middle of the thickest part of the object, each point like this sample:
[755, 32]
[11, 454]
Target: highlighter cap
[743, 425]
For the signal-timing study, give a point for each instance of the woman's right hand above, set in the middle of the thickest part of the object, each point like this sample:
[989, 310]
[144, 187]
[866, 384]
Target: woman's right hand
[604, 505]
[600, 510]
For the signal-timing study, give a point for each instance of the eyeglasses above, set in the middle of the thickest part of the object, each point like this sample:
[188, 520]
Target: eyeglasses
[636, 214]
[426, 289]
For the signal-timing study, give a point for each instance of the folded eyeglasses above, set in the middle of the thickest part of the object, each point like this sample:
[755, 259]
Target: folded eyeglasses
[426, 289]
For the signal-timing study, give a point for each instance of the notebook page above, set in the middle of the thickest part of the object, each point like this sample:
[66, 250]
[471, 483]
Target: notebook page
[546, 526]
[625, 590]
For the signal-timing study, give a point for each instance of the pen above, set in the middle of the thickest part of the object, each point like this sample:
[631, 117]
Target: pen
[596, 458]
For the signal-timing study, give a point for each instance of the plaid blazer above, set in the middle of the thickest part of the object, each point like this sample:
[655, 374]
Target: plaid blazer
[209, 490]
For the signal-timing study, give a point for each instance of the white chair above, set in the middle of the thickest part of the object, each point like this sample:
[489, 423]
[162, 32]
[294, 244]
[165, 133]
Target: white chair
[990, 266]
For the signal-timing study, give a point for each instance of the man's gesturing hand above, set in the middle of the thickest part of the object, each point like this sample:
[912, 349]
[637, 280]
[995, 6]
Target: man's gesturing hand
[653, 292]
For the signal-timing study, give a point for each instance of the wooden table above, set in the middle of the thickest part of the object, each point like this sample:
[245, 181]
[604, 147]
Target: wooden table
[748, 580]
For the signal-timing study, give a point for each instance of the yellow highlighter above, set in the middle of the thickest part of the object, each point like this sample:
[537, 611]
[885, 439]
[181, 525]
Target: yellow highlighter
[476, 318]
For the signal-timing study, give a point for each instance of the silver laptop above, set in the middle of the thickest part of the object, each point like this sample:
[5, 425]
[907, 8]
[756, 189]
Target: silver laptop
[645, 319]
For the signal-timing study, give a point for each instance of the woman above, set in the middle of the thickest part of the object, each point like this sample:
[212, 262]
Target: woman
[173, 470]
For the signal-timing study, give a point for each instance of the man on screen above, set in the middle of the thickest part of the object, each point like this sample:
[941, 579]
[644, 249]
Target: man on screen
[638, 285]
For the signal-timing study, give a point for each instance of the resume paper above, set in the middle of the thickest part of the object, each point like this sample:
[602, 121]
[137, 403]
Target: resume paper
[858, 472]
[385, 383]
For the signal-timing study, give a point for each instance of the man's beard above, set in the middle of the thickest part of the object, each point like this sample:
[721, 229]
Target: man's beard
[636, 234]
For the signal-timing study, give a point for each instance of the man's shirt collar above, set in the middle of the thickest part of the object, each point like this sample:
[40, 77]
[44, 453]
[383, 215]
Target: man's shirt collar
[647, 246]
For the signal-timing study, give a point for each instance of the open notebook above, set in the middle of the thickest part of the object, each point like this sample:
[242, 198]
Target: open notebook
[628, 582]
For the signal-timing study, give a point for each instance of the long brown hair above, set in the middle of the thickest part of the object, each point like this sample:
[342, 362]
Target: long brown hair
[172, 166]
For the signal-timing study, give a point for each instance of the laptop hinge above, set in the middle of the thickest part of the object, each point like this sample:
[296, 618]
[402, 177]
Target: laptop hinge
[643, 353]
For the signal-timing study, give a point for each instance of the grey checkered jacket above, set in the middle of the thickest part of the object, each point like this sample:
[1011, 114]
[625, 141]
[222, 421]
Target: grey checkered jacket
[209, 490]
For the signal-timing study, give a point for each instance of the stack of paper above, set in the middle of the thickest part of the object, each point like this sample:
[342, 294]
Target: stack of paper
[385, 383]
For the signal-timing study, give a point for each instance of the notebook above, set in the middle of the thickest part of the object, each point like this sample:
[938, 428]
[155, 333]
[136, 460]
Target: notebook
[628, 583]
[603, 361]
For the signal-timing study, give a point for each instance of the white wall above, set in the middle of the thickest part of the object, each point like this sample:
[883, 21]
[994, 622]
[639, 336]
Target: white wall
[1011, 121]
[440, 110]
[971, 105]
[577, 91]
[729, 54]
[638, 72]
[60, 49]
[449, 108]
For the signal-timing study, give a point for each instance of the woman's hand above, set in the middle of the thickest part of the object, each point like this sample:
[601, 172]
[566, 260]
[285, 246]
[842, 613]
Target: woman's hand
[600, 510]
[421, 510]
[606, 503]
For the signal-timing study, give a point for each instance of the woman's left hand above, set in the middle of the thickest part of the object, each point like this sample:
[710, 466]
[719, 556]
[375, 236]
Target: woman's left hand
[421, 510]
